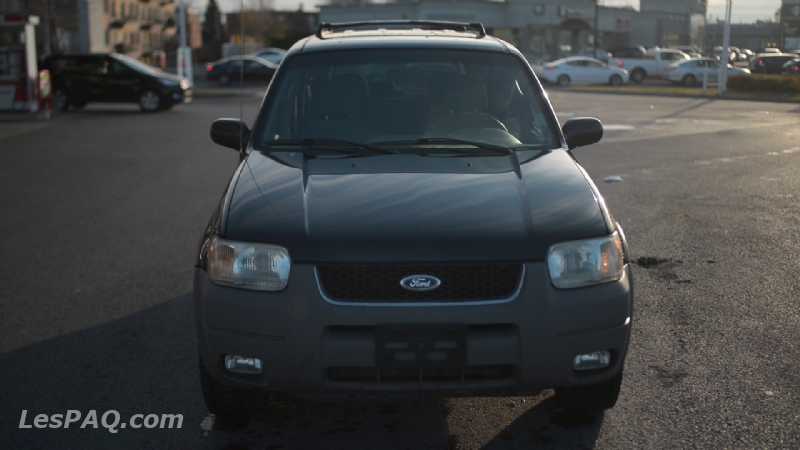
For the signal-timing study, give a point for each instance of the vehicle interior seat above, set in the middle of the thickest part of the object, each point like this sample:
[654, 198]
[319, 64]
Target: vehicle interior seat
[396, 111]
[338, 110]
[451, 112]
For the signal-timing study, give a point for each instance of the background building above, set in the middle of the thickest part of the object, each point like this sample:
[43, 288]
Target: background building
[790, 19]
[145, 29]
[669, 23]
[753, 36]
[545, 29]
[251, 30]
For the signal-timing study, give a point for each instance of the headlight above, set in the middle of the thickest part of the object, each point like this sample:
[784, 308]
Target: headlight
[585, 263]
[185, 84]
[258, 267]
[169, 83]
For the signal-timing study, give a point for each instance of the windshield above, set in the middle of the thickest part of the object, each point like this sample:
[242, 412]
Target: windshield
[396, 95]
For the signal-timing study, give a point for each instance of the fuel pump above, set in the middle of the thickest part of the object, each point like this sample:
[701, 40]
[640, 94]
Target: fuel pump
[22, 88]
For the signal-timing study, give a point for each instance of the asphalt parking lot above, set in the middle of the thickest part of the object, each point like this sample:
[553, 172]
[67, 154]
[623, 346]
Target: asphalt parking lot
[102, 210]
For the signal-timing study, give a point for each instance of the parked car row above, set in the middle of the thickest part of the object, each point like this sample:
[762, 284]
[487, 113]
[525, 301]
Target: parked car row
[684, 66]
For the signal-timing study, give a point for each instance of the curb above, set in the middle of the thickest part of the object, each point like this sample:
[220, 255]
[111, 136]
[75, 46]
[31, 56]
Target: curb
[225, 92]
[736, 97]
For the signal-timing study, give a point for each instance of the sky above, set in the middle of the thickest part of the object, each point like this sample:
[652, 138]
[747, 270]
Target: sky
[743, 10]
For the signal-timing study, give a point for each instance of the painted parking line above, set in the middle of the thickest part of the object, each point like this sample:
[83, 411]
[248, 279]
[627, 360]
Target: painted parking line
[618, 127]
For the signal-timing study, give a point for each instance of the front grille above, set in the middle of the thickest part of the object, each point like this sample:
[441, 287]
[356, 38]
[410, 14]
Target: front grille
[491, 373]
[381, 282]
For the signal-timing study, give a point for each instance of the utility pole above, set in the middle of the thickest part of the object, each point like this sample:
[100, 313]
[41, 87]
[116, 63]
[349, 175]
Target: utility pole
[184, 51]
[596, 26]
[47, 28]
[726, 49]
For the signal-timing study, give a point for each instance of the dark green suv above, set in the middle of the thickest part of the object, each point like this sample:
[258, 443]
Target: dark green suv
[407, 217]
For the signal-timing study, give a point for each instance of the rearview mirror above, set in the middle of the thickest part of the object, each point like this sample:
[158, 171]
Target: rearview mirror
[231, 133]
[582, 131]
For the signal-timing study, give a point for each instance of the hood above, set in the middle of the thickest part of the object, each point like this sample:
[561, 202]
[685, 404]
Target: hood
[415, 217]
[167, 76]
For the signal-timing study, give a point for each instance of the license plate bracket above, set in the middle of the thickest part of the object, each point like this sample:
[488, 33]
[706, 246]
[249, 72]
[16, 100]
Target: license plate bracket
[421, 347]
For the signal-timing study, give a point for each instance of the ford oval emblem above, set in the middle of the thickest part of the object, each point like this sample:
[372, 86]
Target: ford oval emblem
[420, 283]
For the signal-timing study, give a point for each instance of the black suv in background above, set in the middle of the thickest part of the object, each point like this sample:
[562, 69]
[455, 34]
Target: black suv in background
[113, 78]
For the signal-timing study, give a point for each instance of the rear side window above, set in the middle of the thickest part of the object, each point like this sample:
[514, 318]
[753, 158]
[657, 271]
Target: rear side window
[371, 96]
[629, 53]
[668, 56]
[87, 65]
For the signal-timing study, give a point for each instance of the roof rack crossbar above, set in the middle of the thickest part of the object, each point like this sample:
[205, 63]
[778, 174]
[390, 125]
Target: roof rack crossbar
[474, 27]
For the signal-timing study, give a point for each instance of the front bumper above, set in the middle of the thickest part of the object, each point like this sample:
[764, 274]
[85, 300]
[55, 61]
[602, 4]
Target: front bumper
[307, 342]
[180, 95]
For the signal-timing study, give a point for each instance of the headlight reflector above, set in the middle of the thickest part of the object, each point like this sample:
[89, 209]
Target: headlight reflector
[586, 263]
[259, 267]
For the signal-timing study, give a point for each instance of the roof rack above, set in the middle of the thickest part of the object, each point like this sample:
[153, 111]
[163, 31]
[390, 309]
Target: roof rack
[464, 27]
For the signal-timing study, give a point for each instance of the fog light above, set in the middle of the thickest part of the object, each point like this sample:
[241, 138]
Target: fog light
[592, 361]
[243, 365]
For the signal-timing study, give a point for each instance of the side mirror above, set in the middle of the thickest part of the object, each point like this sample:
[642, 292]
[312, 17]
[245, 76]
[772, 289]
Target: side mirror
[231, 133]
[582, 131]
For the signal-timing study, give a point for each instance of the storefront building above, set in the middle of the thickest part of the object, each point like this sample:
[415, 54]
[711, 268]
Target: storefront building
[547, 29]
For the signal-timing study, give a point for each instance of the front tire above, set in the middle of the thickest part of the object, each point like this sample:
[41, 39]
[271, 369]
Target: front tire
[690, 80]
[150, 101]
[616, 80]
[592, 399]
[564, 81]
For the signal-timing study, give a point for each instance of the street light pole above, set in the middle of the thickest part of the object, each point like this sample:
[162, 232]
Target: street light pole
[726, 49]
[184, 51]
[596, 26]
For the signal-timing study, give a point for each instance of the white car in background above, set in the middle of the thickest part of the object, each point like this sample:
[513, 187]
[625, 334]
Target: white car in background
[693, 71]
[583, 70]
[654, 63]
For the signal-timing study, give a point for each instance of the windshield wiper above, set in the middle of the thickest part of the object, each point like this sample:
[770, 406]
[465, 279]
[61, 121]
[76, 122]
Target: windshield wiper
[480, 148]
[325, 145]
[425, 144]
[447, 144]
